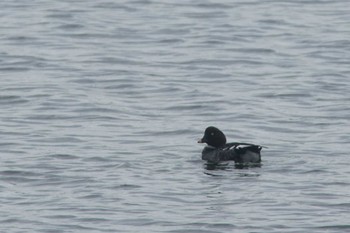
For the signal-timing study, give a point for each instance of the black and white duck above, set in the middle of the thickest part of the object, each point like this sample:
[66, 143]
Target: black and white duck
[218, 150]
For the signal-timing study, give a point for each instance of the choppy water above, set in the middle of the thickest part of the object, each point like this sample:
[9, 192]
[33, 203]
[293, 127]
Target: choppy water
[102, 102]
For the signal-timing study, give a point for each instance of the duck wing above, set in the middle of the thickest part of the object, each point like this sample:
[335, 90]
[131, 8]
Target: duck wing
[245, 152]
[238, 152]
[241, 147]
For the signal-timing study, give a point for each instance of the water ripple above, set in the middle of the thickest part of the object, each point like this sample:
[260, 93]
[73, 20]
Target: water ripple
[102, 103]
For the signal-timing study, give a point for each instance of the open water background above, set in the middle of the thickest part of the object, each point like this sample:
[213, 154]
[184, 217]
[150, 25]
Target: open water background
[101, 104]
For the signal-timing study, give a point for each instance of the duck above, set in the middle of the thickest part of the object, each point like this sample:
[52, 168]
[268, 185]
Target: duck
[218, 150]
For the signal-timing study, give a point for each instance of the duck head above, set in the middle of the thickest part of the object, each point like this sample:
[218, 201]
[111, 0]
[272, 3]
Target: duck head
[213, 137]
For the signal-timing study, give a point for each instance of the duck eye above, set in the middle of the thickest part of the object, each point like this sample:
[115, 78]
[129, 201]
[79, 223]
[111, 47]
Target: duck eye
[212, 134]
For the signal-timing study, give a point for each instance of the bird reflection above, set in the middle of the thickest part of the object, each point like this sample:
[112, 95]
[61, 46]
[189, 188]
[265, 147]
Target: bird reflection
[229, 166]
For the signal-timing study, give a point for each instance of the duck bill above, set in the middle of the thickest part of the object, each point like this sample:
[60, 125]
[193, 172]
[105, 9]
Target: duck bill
[201, 140]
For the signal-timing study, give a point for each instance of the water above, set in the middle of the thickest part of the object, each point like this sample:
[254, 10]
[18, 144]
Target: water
[102, 103]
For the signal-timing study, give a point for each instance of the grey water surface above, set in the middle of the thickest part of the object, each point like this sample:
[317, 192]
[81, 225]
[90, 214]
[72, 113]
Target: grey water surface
[102, 102]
